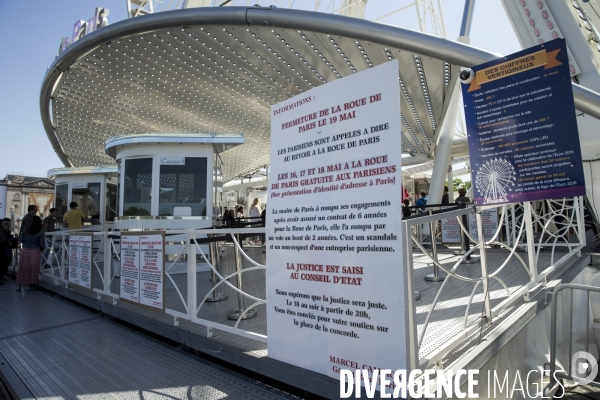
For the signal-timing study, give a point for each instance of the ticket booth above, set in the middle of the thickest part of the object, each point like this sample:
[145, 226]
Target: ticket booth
[169, 180]
[94, 189]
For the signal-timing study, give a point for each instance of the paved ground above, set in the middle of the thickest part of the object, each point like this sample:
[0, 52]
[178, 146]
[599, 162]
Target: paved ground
[60, 350]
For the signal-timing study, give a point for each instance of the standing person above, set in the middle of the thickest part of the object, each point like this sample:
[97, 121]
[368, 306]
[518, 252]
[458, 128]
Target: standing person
[462, 198]
[230, 218]
[255, 210]
[406, 212]
[49, 223]
[73, 219]
[7, 243]
[34, 242]
[422, 201]
[445, 198]
[26, 221]
[255, 217]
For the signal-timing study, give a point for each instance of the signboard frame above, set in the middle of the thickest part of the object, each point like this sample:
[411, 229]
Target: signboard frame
[472, 227]
[78, 250]
[338, 128]
[138, 303]
[522, 128]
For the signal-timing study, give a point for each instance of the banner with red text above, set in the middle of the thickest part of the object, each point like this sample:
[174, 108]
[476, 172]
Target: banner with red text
[335, 279]
[80, 259]
[143, 268]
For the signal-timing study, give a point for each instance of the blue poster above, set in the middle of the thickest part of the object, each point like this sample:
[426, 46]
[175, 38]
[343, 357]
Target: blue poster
[522, 129]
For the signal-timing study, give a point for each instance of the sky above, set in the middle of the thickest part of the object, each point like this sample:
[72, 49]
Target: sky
[33, 32]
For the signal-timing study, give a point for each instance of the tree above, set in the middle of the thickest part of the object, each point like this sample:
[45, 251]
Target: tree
[457, 183]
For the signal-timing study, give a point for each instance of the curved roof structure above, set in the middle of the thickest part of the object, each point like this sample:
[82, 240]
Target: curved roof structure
[219, 69]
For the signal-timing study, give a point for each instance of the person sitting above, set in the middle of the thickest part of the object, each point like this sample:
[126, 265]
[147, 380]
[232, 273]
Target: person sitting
[74, 218]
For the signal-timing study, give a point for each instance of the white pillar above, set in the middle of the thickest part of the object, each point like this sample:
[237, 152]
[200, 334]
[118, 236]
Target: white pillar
[444, 143]
[450, 184]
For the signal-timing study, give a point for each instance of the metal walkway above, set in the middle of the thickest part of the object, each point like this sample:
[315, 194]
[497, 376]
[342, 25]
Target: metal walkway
[51, 348]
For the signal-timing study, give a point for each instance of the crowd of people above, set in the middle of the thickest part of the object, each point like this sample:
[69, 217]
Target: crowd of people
[419, 207]
[256, 217]
[32, 237]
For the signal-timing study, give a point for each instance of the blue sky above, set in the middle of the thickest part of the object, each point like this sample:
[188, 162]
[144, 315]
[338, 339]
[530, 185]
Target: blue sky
[32, 32]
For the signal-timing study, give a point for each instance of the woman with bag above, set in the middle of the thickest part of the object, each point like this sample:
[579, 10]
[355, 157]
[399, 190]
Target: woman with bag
[34, 242]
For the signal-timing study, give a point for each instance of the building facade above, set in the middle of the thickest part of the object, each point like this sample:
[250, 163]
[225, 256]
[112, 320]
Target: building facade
[23, 191]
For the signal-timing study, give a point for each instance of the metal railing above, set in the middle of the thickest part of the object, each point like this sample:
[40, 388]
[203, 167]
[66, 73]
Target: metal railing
[582, 366]
[550, 232]
[187, 249]
[557, 227]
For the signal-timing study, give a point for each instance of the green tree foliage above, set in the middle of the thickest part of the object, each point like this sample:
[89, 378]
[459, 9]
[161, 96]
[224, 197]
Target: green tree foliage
[457, 183]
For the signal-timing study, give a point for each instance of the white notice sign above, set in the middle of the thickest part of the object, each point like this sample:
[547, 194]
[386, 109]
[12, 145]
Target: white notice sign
[151, 270]
[74, 259]
[490, 224]
[84, 253]
[451, 230]
[335, 283]
[80, 259]
[130, 267]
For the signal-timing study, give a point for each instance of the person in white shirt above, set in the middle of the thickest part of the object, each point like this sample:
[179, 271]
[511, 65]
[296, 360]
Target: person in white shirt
[255, 217]
[240, 212]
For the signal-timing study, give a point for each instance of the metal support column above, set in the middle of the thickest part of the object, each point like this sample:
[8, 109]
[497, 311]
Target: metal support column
[530, 239]
[484, 271]
[412, 350]
[445, 138]
[192, 289]
[435, 276]
[235, 314]
[215, 261]
[579, 213]
[107, 261]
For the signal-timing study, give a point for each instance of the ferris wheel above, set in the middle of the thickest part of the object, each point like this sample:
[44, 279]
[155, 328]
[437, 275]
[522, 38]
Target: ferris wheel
[494, 179]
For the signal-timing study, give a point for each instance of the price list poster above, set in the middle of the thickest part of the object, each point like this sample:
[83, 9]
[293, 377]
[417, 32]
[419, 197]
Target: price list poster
[152, 266]
[74, 259]
[335, 278]
[130, 267]
[522, 129]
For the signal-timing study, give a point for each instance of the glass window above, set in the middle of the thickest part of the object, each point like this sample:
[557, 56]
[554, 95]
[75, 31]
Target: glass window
[111, 202]
[183, 188]
[88, 199]
[137, 197]
[61, 201]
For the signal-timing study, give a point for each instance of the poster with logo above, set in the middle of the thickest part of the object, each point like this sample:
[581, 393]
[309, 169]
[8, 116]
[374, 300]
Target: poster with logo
[152, 270]
[130, 267]
[335, 285]
[521, 128]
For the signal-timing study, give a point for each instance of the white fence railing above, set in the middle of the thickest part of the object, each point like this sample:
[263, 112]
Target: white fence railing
[227, 266]
[555, 226]
[224, 287]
